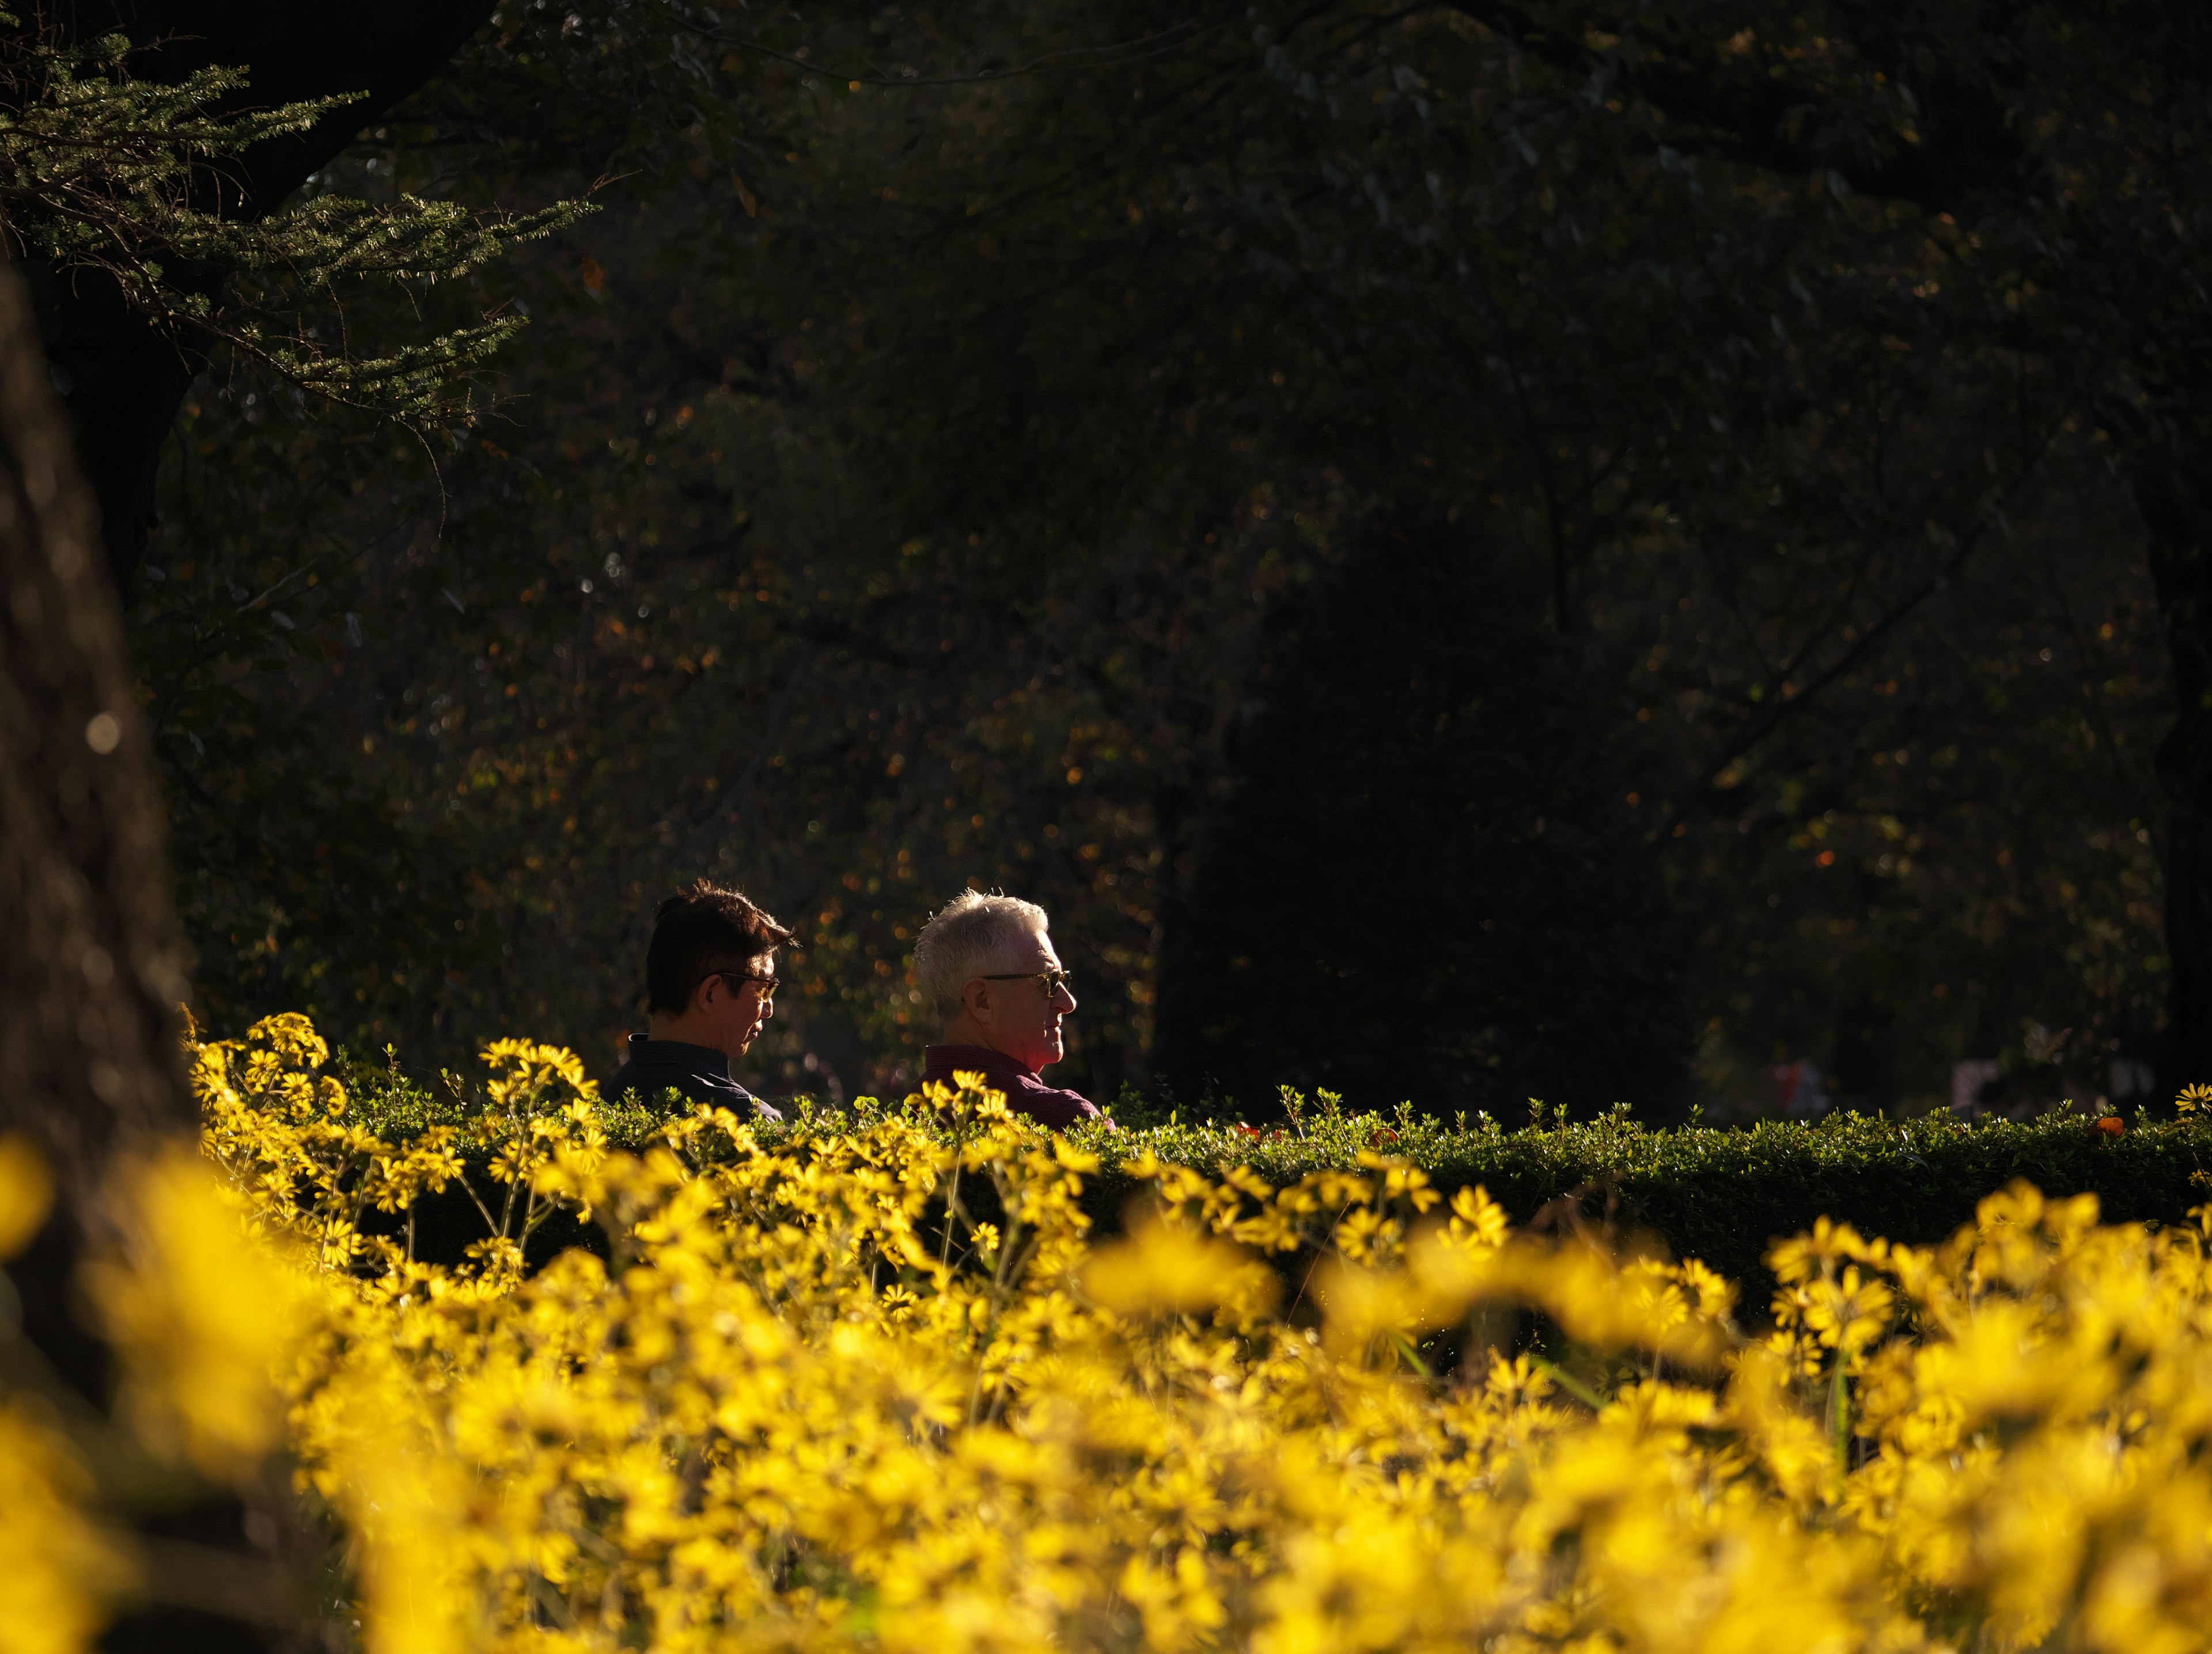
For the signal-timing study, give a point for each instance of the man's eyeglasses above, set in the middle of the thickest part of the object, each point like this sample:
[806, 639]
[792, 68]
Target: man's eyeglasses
[1052, 982]
[767, 984]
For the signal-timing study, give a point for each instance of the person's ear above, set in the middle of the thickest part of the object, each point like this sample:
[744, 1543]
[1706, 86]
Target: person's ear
[975, 995]
[710, 990]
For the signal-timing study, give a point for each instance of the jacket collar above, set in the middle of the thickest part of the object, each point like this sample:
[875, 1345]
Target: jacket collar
[650, 1053]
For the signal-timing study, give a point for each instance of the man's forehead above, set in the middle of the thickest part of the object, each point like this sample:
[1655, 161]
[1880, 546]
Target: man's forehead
[1036, 948]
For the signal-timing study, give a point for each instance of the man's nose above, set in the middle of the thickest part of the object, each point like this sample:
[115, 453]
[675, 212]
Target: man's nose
[1063, 999]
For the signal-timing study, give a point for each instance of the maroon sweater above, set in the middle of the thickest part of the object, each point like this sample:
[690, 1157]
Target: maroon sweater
[1025, 1093]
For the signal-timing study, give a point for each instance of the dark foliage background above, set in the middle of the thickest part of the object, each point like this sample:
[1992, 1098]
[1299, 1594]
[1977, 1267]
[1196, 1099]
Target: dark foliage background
[1422, 880]
[1230, 481]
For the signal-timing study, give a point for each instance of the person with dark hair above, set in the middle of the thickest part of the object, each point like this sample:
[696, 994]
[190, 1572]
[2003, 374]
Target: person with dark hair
[710, 989]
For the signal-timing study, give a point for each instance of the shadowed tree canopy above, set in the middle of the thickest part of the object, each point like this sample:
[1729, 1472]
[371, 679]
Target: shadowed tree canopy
[912, 475]
[122, 375]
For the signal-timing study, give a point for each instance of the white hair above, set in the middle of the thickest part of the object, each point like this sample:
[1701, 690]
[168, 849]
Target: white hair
[971, 936]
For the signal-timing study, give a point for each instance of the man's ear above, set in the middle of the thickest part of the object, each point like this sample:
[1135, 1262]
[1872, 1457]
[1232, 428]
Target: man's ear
[703, 997]
[976, 996]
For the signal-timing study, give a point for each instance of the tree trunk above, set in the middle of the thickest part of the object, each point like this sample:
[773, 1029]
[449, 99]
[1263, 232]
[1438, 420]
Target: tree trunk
[2172, 495]
[1422, 883]
[92, 971]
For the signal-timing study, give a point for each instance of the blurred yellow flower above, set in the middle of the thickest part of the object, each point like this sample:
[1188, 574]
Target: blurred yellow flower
[1158, 1270]
[204, 1311]
[26, 1190]
[55, 1565]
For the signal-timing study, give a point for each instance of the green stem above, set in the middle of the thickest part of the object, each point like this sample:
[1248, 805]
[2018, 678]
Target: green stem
[1411, 1356]
[1574, 1387]
[951, 1202]
[1840, 1418]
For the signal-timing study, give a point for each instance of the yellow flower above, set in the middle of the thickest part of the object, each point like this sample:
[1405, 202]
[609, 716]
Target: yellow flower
[1158, 1269]
[203, 1314]
[26, 1190]
[57, 1563]
[877, 1389]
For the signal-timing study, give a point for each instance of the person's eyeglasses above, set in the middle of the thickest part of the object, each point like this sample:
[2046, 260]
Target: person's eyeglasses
[767, 984]
[1052, 982]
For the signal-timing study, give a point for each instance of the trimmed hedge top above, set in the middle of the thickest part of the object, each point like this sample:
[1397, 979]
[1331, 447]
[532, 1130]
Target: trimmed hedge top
[1724, 1194]
[1721, 1194]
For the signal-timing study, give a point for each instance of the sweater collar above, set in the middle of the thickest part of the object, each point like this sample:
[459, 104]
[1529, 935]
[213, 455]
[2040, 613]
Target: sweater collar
[944, 1060]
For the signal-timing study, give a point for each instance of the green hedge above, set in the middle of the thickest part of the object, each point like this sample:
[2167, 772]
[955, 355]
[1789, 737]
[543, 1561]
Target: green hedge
[1725, 1194]
[1722, 1193]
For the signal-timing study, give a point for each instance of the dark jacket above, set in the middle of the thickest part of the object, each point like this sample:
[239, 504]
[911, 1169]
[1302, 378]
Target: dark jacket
[700, 1072]
[1026, 1094]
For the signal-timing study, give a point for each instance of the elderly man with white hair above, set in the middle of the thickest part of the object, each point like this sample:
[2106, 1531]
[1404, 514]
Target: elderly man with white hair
[986, 966]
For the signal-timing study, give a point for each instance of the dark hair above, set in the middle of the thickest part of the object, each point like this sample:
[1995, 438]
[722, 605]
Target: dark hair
[702, 932]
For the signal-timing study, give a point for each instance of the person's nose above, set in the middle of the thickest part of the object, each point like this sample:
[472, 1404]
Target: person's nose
[1063, 999]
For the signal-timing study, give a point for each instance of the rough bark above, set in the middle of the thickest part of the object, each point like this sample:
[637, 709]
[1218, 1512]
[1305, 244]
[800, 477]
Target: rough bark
[122, 380]
[92, 975]
[92, 971]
